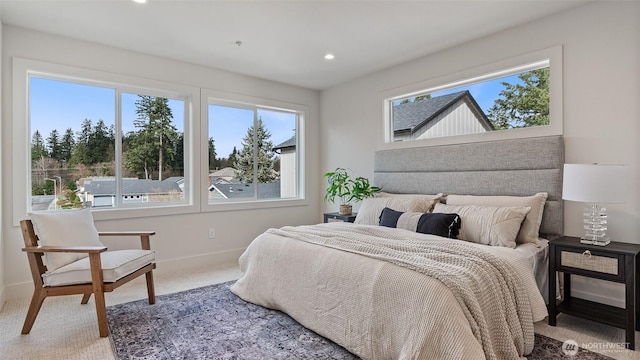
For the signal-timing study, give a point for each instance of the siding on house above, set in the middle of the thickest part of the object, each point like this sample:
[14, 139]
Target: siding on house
[446, 115]
[458, 119]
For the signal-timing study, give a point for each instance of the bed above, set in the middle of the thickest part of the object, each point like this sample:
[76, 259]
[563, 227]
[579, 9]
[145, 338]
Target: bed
[395, 293]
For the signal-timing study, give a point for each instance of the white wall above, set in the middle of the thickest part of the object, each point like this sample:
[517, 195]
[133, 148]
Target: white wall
[180, 239]
[601, 56]
[2, 221]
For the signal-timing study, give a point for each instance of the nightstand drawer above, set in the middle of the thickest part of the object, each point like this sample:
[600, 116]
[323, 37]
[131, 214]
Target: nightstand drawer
[588, 261]
[591, 262]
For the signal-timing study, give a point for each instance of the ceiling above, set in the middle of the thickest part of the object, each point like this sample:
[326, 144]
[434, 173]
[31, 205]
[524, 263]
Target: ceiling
[283, 41]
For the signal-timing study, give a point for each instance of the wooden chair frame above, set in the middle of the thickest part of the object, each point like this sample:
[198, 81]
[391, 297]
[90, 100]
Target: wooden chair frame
[97, 286]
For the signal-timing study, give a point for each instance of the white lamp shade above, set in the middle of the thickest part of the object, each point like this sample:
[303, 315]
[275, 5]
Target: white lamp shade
[595, 183]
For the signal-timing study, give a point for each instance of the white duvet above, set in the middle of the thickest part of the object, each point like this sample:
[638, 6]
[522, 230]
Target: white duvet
[386, 293]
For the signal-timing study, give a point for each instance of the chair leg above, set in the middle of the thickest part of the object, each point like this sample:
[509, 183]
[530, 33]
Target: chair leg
[34, 308]
[85, 298]
[98, 293]
[150, 289]
[101, 310]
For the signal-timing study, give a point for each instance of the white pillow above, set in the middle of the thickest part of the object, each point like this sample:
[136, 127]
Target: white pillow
[371, 208]
[65, 228]
[489, 225]
[429, 200]
[529, 231]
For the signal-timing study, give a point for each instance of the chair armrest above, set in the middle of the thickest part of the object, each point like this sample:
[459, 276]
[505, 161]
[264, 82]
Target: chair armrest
[126, 233]
[68, 249]
[144, 236]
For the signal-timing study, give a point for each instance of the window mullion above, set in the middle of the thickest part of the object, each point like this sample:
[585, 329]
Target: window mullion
[255, 153]
[118, 148]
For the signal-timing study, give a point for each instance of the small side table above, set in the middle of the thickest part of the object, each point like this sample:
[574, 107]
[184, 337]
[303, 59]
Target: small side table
[616, 262]
[337, 216]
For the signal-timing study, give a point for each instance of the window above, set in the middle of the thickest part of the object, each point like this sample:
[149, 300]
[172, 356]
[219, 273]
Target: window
[78, 158]
[511, 97]
[254, 152]
[94, 141]
[132, 147]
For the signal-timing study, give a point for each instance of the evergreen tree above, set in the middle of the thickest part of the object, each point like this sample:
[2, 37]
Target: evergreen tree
[523, 105]
[265, 155]
[154, 143]
[213, 162]
[38, 151]
[80, 153]
[67, 145]
[415, 99]
[53, 144]
[136, 151]
[177, 163]
[101, 144]
[233, 157]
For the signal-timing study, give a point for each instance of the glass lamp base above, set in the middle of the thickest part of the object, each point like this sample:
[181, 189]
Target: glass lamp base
[595, 225]
[600, 242]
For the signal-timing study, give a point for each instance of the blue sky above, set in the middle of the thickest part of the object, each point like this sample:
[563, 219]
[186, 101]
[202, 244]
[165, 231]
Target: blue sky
[280, 124]
[485, 93]
[61, 105]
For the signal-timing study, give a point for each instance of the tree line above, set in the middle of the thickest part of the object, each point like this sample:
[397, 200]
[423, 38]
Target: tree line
[154, 150]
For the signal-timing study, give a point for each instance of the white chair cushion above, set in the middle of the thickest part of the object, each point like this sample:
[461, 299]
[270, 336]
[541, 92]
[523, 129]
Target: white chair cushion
[65, 228]
[115, 265]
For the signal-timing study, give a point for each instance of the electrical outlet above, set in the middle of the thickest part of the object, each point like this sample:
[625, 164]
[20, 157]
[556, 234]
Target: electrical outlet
[212, 233]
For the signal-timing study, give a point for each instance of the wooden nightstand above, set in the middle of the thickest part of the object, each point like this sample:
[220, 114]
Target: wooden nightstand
[337, 216]
[617, 262]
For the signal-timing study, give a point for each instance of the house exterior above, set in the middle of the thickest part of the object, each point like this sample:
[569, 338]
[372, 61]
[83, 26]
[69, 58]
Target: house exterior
[446, 115]
[238, 190]
[101, 192]
[224, 185]
[288, 165]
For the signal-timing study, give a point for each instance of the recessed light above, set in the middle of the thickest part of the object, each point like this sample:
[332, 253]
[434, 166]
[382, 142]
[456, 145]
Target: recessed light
[329, 57]
[140, 1]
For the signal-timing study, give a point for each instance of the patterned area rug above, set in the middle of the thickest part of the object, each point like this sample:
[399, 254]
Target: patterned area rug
[212, 323]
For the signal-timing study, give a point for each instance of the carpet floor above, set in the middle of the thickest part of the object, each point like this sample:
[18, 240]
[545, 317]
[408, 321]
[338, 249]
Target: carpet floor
[212, 323]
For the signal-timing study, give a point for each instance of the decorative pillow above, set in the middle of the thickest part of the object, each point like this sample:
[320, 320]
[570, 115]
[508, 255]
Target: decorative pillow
[371, 208]
[490, 225]
[430, 200]
[529, 231]
[65, 228]
[446, 225]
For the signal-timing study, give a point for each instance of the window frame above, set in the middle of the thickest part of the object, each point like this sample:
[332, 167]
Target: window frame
[494, 70]
[216, 97]
[23, 69]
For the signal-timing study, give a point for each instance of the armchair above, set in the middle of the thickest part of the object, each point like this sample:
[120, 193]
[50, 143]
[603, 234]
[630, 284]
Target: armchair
[77, 263]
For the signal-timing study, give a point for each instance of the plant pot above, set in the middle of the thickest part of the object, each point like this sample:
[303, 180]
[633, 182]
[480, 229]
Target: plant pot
[345, 209]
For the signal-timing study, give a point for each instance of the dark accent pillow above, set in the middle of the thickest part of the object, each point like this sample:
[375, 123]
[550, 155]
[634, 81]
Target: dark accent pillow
[446, 225]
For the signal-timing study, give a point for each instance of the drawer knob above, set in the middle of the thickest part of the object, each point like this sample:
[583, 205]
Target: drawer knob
[587, 254]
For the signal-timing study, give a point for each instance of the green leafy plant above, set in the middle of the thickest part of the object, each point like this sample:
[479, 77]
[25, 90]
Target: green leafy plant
[346, 189]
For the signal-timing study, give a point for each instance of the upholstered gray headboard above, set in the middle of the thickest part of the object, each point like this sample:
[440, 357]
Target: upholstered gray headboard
[518, 167]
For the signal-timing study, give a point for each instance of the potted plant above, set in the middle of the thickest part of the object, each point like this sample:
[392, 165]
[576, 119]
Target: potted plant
[343, 187]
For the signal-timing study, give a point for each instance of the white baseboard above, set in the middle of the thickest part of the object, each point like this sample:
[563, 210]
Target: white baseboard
[221, 257]
[3, 296]
[25, 289]
[599, 298]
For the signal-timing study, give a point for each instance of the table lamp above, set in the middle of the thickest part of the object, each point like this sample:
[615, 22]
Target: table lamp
[594, 184]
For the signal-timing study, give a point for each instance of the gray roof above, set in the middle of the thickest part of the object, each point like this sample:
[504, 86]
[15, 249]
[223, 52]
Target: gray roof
[291, 143]
[237, 190]
[131, 187]
[224, 172]
[412, 116]
[175, 179]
